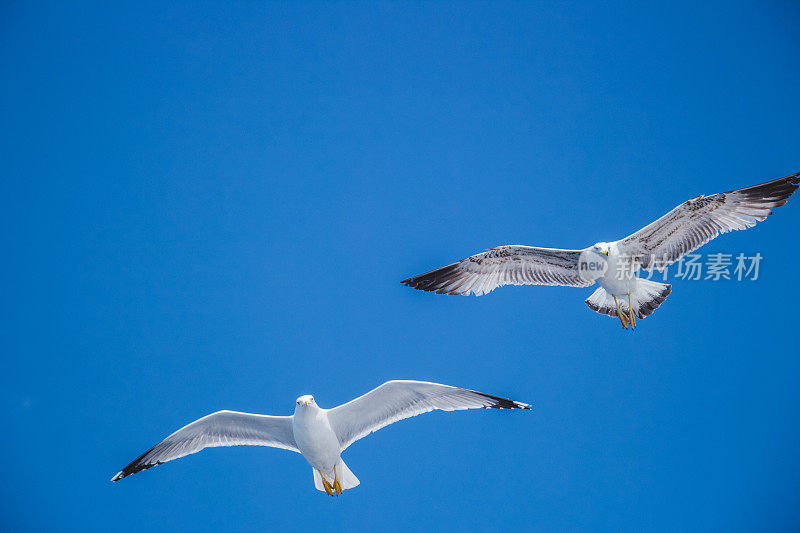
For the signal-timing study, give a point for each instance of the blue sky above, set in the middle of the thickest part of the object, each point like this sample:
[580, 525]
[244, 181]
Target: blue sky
[210, 206]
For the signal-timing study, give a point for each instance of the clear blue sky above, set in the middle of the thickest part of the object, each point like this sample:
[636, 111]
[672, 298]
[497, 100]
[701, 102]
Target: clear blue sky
[211, 206]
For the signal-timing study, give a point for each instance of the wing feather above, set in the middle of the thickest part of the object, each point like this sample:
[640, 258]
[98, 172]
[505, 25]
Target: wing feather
[701, 219]
[223, 428]
[504, 265]
[397, 400]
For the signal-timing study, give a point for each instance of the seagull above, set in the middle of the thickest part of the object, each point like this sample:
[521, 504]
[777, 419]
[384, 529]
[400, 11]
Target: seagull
[614, 265]
[320, 435]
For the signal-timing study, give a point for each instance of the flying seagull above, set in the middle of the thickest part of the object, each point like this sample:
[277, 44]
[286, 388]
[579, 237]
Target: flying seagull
[614, 265]
[320, 435]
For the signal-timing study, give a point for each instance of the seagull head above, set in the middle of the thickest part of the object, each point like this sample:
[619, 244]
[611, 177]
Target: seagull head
[305, 401]
[602, 248]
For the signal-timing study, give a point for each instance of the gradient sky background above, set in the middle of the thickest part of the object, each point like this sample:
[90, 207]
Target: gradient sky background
[211, 206]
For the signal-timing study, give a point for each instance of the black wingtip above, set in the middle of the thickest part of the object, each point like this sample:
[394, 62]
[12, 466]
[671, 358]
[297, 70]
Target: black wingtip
[778, 190]
[137, 465]
[434, 280]
[133, 469]
[794, 178]
[504, 403]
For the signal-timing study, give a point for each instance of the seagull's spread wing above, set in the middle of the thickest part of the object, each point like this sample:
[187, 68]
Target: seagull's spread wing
[504, 265]
[223, 428]
[396, 400]
[697, 221]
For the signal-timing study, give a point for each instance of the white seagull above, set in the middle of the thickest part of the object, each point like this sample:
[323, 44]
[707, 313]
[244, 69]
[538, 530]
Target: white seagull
[614, 265]
[320, 435]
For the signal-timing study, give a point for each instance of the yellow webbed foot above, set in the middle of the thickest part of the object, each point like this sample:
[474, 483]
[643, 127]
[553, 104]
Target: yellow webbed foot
[336, 485]
[328, 487]
[631, 312]
[623, 318]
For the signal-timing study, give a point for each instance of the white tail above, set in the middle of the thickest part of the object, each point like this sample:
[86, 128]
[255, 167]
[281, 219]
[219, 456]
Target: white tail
[347, 479]
[645, 299]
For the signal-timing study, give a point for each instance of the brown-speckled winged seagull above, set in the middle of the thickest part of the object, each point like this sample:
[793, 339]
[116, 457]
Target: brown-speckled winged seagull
[320, 435]
[614, 265]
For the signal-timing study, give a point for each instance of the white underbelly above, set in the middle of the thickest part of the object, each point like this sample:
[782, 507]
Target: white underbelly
[318, 443]
[618, 279]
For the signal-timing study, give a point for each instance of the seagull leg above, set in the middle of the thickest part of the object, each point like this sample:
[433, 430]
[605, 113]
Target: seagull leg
[631, 312]
[336, 485]
[328, 488]
[623, 318]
